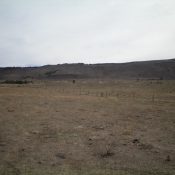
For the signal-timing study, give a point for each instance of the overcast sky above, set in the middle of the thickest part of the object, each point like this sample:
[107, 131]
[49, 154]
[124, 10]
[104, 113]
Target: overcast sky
[38, 32]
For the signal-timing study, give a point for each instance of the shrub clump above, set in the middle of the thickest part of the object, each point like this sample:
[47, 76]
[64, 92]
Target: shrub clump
[16, 82]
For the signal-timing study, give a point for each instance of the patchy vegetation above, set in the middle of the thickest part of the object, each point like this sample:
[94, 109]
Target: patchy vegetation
[89, 127]
[16, 82]
[155, 70]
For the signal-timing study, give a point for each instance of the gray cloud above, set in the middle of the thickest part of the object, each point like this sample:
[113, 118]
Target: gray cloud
[58, 31]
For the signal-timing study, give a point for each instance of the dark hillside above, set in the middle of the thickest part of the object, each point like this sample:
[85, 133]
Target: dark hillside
[161, 69]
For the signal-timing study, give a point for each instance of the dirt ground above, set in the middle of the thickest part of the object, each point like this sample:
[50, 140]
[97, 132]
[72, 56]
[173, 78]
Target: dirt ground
[88, 127]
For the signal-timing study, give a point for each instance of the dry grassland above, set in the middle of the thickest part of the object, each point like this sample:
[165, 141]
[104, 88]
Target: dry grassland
[90, 127]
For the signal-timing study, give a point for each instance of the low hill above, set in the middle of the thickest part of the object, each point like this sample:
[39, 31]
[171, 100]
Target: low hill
[161, 69]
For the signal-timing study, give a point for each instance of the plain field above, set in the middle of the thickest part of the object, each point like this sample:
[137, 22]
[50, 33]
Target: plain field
[92, 127]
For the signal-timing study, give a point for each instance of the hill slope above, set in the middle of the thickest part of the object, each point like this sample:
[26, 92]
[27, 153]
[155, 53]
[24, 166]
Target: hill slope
[161, 69]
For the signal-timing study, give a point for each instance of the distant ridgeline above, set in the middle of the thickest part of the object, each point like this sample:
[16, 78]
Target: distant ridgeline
[161, 69]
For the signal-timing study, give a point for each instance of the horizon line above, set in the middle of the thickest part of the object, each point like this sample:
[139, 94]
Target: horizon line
[35, 66]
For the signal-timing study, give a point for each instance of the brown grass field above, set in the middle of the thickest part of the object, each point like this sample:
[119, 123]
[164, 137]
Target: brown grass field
[88, 128]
